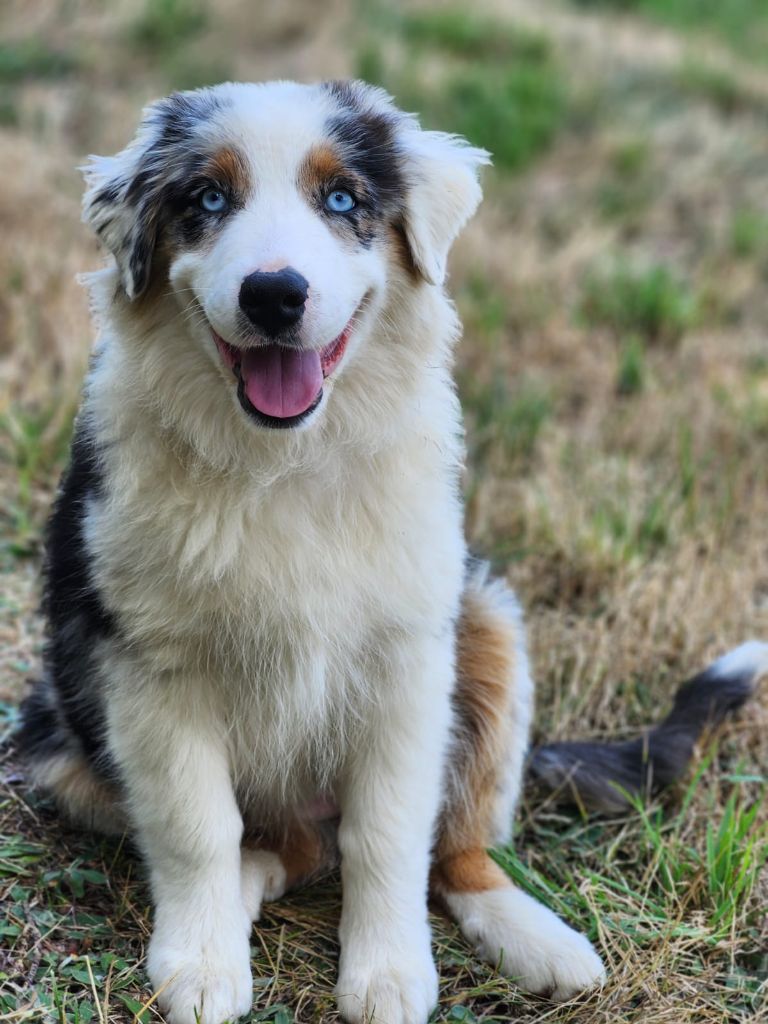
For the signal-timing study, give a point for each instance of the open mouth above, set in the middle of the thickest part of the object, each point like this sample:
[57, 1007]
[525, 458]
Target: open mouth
[277, 385]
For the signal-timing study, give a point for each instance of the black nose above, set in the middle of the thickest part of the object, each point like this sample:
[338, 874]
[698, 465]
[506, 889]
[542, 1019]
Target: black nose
[274, 301]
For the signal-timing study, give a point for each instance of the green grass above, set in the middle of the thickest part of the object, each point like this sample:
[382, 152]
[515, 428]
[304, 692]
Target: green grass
[33, 447]
[651, 302]
[510, 417]
[632, 371]
[473, 36]
[749, 233]
[688, 887]
[716, 85]
[514, 111]
[721, 870]
[626, 533]
[742, 24]
[617, 477]
[627, 190]
[497, 85]
[165, 24]
[630, 158]
[483, 308]
[33, 58]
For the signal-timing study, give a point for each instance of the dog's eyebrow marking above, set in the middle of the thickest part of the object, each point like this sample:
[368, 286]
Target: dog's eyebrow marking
[324, 167]
[229, 167]
[320, 167]
[367, 140]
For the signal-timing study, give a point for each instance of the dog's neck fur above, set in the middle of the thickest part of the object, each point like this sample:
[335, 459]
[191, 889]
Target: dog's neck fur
[218, 507]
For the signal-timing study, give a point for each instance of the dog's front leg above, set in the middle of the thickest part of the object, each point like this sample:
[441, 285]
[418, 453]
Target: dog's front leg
[173, 762]
[390, 797]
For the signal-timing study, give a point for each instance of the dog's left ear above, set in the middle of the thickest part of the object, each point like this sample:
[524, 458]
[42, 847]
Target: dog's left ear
[443, 193]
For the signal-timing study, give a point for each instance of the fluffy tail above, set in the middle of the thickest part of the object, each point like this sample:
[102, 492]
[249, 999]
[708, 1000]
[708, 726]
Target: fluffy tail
[601, 776]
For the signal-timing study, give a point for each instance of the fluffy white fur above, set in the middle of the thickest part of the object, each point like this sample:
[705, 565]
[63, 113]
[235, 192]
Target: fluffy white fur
[287, 599]
[527, 941]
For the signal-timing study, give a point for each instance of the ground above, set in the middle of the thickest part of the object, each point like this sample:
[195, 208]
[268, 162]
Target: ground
[614, 375]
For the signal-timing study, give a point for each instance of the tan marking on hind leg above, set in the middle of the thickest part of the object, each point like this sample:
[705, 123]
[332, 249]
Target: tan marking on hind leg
[471, 870]
[506, 926]
[479, 764]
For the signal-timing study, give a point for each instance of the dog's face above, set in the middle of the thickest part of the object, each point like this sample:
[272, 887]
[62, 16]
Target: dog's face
[277, 214]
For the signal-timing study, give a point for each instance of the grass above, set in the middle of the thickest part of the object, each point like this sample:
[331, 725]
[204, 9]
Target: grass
[79, 911]
[632, 372]
[467, 34]
[615, 385]
[36, 445]
[164, 24]
[495, 84]
[512, 417]
[33, 58]
[749, 233]
[651, 301]
[714, 84]
[742, 24]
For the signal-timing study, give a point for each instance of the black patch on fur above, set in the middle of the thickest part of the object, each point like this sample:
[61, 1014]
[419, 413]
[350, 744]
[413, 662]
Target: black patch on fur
[193, 225]
[367, 140]
[587, 774]
[65, 707]
[41, 735]
[109, 194]
[169, 174]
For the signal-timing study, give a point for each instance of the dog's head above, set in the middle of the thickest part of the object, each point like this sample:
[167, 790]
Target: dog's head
[276, 214]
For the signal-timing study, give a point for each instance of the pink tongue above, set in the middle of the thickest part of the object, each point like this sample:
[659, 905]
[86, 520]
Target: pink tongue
[281, 381]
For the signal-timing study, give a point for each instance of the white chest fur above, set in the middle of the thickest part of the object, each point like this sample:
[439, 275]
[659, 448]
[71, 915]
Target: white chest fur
[288, 599]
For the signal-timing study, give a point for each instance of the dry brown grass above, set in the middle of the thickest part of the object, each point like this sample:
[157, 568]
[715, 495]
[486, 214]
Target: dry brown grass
[627, 502]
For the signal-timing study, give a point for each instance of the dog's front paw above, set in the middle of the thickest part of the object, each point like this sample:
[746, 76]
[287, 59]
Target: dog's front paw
[387, 988]
[208, 985]
[530, 943]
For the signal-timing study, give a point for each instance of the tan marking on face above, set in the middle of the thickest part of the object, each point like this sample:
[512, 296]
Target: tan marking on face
[228, 167]
[471, 870]
[320, 167]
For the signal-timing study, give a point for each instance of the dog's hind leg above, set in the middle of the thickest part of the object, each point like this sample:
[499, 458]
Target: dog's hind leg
[272, 866]
[58, 767]
[493, 704]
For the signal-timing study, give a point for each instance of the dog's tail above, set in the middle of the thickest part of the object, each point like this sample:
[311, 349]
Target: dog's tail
[605, 776]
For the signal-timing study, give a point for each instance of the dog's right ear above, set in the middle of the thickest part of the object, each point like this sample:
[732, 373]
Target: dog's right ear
[125, 194]
[123, 214]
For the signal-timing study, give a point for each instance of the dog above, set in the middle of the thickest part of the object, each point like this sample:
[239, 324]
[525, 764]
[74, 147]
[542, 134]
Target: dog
[267, 644]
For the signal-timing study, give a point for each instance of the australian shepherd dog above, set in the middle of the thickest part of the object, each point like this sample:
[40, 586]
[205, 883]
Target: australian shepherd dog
[267, 645]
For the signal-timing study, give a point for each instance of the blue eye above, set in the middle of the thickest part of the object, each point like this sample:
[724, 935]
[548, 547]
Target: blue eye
[340, 201]
[213, 200]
